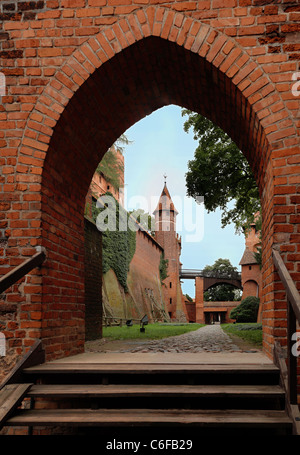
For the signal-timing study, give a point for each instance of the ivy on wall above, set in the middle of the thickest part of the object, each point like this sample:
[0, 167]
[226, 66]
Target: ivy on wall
[111, 168]
[163, 267]
[118, 246]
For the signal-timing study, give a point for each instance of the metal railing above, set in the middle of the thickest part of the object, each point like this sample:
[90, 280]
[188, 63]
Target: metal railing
[117, 321]
[14, 275]
[293, 315]
[210, 274]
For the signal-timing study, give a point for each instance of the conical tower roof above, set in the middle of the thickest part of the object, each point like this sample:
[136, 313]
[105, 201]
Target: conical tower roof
[248, 258]
[165, 201]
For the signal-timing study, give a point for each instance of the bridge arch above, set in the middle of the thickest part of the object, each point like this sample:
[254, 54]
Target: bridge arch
[146, 60]
[212, 282]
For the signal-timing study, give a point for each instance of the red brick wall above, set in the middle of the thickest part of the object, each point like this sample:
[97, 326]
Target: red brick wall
[209, 307]
[191, 311]
[251, 281]
[147, 254]
[198, 309]
[143, 280]
[199, 299]
[100, 185]
[223, 308]
[144, 273]
[171, 246]
[80, 72]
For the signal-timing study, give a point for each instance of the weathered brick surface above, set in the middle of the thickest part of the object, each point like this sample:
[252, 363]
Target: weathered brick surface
[166, 235]
[93, 281]
[144, 278]
[80, 72]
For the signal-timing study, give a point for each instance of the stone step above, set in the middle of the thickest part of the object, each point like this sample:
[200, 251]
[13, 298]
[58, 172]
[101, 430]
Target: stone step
[203, 419]
[163, 396]
[56, 372]
[160, 391]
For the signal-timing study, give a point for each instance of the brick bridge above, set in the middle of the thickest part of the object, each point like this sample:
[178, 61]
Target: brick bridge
[79, 73]
[212, 279]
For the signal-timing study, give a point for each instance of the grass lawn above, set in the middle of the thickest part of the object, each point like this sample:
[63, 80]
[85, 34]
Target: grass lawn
[250, 332]
[152, 331]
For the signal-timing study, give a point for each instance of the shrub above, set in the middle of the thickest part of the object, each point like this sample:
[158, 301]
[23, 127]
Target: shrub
[246, 311]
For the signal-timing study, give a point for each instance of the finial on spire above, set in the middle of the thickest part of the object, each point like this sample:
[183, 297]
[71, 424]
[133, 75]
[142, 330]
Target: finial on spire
[165, 177]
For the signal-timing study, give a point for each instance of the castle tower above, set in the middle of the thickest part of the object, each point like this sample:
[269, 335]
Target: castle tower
[251, 272]
[165, 234]
[165, 214]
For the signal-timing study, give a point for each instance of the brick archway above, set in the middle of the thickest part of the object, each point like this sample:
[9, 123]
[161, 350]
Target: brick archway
[146, 60]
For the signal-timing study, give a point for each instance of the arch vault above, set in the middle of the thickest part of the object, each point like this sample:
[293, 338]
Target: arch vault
[146, 60]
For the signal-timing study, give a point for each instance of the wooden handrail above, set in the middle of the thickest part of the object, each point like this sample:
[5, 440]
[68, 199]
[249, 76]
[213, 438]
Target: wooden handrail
[291, 290]
[21, 270]
[293, 314]
[35, 356]
[292, 409]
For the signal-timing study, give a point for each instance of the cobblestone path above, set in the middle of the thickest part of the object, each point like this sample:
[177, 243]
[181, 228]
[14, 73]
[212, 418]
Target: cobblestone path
[210, 338]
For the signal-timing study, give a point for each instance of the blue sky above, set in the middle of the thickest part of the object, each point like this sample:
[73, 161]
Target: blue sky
[161, 146]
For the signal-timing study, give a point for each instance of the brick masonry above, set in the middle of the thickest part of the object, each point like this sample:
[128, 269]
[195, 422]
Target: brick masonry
[165, 233]
[80, 72]
[93, 281]
[143, 281]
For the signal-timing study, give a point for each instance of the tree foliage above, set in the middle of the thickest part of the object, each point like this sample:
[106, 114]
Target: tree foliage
[220, 173]
[221, 292]
[144, 219]
[111, 168]
[246, 311]
[258, 253]
[121, 142]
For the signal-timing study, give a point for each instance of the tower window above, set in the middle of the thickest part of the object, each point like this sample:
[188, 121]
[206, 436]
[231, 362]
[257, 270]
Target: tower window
[250, 267]
[170, 284]
[170, 300]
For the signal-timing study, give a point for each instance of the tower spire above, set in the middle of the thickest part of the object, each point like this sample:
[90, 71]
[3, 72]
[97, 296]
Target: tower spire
[165, 202]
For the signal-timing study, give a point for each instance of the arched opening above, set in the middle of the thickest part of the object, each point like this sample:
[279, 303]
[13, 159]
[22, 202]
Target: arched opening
[251, 288]
[145, 76]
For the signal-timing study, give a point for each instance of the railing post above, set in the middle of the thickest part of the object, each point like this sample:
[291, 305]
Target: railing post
[21, 270]
[292, 359]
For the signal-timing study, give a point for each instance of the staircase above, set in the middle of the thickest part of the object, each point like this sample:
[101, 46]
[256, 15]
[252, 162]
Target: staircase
[88, 398]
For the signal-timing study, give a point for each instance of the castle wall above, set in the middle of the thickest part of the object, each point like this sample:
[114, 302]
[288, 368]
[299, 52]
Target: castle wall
[93, 281]
[251, 272]
[165, 227]
[209, 311]
[191, 311]
[144, 288]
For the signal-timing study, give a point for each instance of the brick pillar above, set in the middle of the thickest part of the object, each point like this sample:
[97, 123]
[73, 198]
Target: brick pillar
[199, 300]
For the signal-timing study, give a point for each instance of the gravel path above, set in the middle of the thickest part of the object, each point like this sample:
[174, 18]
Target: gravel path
[210, 338]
